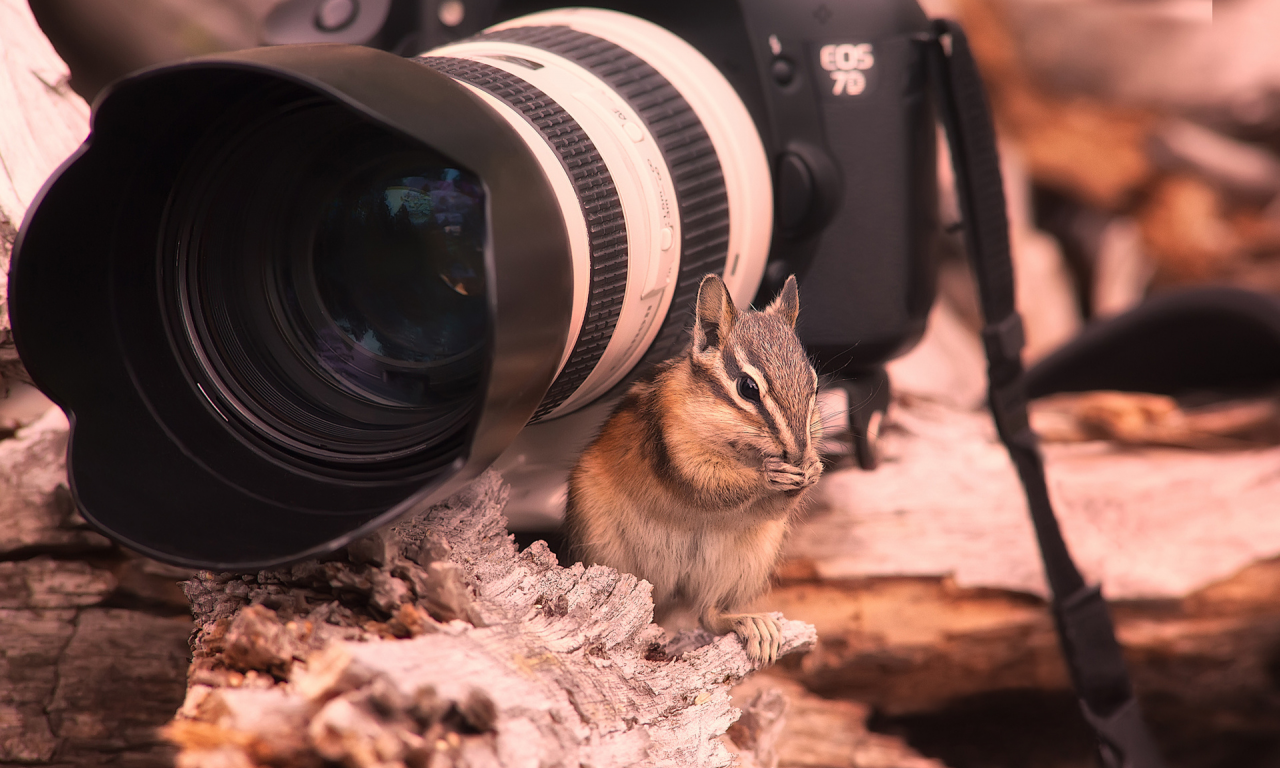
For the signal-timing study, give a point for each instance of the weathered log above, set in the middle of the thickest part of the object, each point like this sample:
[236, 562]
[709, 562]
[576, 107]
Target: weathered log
[1148, 522]
[436, 642]
[923, 649]
[93, 641]
[1193, 57]
[783, 722]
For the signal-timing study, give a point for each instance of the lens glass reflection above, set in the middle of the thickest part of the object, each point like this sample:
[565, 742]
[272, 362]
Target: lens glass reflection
[332, 280]
[398, 265]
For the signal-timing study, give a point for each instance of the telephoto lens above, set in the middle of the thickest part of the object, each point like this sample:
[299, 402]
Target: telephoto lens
[287, 294]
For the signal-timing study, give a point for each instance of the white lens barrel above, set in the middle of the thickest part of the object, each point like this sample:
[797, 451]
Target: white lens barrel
[655, 162]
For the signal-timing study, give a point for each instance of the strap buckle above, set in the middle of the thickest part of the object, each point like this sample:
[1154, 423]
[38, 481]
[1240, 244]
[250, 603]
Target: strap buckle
[1004, 339]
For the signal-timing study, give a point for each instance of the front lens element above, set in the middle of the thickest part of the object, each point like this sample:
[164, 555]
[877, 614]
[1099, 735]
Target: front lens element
[331, 280]
[398, 264]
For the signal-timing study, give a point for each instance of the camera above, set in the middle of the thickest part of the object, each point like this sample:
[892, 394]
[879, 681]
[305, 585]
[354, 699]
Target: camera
[286, 294]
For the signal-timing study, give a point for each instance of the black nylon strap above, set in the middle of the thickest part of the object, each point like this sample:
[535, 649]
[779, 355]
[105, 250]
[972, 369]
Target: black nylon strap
[1085, 630]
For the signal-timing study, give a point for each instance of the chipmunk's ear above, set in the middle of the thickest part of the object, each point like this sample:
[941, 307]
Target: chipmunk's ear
[787, 305]
[715, 314]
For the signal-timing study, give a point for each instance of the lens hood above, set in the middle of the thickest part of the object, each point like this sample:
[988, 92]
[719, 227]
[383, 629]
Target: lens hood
[156, 459]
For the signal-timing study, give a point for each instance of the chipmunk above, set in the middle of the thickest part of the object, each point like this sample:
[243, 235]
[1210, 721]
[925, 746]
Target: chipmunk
[694, 477]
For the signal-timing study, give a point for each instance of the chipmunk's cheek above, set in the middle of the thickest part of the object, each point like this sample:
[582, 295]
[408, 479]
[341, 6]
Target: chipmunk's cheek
[748, 454]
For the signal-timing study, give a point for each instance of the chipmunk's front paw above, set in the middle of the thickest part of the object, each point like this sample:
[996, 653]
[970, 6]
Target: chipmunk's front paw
[761, 636]
[782, 476]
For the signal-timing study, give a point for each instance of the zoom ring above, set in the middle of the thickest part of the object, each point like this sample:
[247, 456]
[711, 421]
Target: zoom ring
[600, 206]
[695, 169]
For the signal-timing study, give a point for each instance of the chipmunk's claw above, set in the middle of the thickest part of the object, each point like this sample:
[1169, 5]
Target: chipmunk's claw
[761, 636]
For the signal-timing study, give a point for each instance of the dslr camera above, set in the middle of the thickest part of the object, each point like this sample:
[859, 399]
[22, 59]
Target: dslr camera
[288, 293]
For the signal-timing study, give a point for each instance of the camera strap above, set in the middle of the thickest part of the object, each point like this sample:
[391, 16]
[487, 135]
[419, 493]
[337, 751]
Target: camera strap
[1085, 630]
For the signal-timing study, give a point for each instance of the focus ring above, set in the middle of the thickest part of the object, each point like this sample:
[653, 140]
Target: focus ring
[600, 207]
[695, 169]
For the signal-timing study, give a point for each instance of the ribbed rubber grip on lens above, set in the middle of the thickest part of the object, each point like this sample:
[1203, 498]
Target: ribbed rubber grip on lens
[600, 206]
[694, 166]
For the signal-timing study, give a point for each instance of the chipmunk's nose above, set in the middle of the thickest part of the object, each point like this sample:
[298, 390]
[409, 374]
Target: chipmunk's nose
[797, 449]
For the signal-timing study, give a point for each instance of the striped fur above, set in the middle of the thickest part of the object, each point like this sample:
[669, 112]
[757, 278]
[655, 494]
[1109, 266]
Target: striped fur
[691, 485]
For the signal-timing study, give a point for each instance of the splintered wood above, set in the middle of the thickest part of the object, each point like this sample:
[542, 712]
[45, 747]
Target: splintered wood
[436, 643]
[783, 724]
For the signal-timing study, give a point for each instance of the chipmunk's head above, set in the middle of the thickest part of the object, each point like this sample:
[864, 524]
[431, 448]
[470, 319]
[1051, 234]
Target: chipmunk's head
[763, 390]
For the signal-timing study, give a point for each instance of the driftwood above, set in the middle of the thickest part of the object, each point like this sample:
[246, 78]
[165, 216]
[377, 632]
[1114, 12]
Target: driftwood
[435, 643]
[1149, 523]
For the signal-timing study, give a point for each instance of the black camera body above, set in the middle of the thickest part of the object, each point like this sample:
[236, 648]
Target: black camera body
[840, 95]
[314, 286]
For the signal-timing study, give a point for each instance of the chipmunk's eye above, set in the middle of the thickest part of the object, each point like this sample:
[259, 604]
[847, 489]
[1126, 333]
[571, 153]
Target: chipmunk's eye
[748, 388]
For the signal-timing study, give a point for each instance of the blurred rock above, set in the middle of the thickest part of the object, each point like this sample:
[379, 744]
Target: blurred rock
[1211, 60]
[1138, 418]
[948, 365]
[35, 502]
[1238, 168]
[1184, 224]
[1122, 270]
[1044, 286]
[24, 405]
[1079, 144]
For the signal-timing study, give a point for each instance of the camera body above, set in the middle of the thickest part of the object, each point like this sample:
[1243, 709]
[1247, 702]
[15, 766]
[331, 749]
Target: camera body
[337, 283]
[840, 97]
[839, 93]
